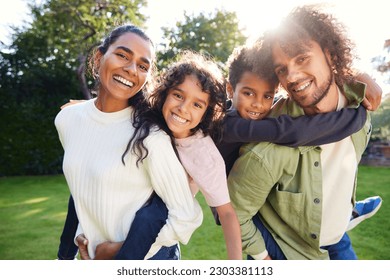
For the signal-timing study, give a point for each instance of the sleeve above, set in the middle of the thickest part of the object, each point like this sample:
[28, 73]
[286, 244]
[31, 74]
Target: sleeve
[250, 182]
[59, 124]
[205, 165]
[300, 131]
[170, 182]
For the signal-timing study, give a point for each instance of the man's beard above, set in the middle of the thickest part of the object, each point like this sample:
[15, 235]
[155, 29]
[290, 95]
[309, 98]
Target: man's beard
[318, 95]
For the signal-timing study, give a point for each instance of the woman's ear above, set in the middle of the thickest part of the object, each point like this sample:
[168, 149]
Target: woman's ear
[96, 63]
[229, 90]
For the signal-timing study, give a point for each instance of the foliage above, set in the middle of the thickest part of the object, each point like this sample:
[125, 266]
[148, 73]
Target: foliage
[215, 34]
[381, 122]
[33, 210]
[382, 62]
[42, 68]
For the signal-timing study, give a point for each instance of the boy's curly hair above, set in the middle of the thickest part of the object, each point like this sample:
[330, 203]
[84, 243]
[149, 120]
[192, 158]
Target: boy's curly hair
[252, 58]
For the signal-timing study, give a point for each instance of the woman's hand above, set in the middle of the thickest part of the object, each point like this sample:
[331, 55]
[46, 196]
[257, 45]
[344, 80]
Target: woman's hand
[82, 242]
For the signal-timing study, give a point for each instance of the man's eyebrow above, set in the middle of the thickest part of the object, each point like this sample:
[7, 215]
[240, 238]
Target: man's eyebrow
[129, 51]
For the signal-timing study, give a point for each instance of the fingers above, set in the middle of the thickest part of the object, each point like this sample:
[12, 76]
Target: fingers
[71, 102]
[82, 242]
[366, 104]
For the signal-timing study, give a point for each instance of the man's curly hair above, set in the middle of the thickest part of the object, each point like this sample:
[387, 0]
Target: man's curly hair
[305, 24]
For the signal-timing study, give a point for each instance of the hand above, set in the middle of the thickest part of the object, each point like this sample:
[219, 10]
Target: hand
[373, 97]
[82, 242]
[268, 257]
[71, 102]
[107, 250]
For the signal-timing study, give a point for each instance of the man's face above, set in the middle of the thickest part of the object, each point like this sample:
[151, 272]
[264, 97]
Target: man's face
[307, 77]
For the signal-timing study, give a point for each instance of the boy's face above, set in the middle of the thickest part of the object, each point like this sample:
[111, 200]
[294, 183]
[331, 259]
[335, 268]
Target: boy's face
[252, 97]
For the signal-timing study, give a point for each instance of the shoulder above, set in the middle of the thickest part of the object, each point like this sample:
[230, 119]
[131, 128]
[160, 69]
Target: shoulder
[266, 151]
[200, 151]
[71, 112]
[157, 136]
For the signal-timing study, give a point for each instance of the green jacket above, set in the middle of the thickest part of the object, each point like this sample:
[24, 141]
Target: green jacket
[284, 185]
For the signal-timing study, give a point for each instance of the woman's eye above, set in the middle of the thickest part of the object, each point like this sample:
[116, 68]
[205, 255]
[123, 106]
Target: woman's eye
[121, 55]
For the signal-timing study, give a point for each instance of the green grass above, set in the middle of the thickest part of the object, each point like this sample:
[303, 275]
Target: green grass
[33, 210]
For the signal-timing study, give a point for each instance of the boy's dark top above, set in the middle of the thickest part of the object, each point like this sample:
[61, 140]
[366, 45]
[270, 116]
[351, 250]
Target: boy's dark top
[288, 131]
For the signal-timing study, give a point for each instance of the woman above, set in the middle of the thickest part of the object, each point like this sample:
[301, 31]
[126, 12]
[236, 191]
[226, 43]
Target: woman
[109, 189]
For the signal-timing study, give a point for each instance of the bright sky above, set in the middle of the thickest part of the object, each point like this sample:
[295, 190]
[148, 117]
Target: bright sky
[368, 22]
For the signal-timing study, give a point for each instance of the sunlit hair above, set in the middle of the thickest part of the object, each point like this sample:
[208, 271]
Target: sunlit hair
[252, 58]
[211, 81]
[110, 39]
[305, 24]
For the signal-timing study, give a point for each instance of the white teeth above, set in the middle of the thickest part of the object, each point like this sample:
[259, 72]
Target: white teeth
[254, 114]
[179, 119]
[123, 81]
[302, 87]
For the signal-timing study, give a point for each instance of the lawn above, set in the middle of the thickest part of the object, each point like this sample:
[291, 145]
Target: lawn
[33, 209]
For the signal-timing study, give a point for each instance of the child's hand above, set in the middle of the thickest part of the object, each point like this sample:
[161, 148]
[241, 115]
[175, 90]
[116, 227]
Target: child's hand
[373, 97]
[82, 242]
[71, 102]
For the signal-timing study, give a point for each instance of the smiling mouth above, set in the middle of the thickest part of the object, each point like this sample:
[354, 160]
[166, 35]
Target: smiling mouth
[302, 87]
[123, 81]
[178, 119]
[255, 115]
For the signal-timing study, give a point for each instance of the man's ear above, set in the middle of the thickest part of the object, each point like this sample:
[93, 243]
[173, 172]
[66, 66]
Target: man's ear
[229, 90]
[329, 58]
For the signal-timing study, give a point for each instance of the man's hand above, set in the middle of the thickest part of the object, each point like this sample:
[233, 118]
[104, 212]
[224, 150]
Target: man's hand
[82, 242]
[107, 250]
[373, 97]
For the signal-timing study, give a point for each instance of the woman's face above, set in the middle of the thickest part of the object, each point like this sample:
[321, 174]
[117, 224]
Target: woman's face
[124, 68]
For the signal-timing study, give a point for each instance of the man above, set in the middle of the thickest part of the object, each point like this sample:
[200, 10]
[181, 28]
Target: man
[301, 198]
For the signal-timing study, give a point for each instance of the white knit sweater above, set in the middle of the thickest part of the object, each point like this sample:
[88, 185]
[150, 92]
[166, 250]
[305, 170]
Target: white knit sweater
[107, 194]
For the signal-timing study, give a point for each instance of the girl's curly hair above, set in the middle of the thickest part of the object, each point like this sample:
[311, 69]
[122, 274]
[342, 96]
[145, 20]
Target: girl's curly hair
[211, 80]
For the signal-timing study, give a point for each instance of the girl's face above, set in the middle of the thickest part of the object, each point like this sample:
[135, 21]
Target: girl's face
[124, 68]
[185, 107]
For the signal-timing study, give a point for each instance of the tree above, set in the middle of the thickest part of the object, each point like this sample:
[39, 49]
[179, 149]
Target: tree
[382, 62]
[215, 34]
[42, 68]
[381, 122]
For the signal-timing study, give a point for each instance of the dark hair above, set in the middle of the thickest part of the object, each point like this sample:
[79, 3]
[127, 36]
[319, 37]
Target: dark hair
[306, 23]
[251, 58]
[110, 39]
[211, 80]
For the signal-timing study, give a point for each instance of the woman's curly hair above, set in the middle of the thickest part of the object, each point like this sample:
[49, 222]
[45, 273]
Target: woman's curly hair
[211, 80]
[306, 23]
